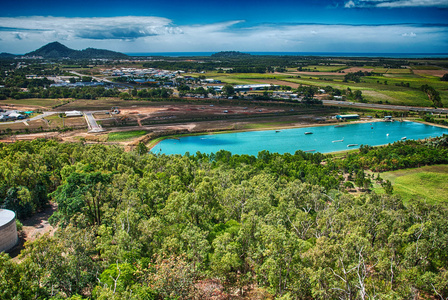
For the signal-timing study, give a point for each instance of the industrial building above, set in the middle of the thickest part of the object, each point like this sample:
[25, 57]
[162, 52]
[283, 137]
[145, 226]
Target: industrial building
[347, 117]
[8, 230]
[247, 87]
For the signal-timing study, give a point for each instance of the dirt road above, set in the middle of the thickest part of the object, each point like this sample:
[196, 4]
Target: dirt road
[33, 228]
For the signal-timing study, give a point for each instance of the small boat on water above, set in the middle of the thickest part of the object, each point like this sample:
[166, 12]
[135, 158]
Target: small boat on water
[310, 150]
[277, 131]
[308, 132]
[338, 141]
[403, 138]
[352, 145]
[339, 126]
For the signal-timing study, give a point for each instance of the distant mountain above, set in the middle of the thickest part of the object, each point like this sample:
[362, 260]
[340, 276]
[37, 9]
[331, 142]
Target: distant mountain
[7, 55]
[57, 50]
[229, 54]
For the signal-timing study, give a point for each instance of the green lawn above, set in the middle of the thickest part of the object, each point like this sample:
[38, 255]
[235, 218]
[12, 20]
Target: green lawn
[125, 135]
[429, 183]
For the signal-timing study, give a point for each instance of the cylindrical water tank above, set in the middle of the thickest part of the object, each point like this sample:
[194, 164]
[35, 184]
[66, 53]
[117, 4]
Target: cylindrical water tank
[8, 230]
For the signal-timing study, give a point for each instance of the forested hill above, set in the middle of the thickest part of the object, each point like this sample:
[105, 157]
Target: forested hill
[230, 54]
[57, 50]
[7, 55]
[142, 226]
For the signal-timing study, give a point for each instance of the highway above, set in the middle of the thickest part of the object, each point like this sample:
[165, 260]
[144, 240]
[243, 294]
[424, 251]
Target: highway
[93, 77]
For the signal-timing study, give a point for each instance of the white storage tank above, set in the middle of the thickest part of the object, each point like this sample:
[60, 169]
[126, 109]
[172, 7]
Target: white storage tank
[8, 230]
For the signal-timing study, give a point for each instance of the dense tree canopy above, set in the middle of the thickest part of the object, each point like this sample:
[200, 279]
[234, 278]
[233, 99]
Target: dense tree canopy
[142, 226]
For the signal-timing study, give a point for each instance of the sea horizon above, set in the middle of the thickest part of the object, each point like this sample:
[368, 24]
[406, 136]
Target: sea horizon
[317, 54]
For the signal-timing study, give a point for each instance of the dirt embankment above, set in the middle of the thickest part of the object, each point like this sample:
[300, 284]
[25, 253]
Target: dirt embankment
[33, 228]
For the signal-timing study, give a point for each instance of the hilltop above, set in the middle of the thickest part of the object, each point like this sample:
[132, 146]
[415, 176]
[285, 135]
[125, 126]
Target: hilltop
[58, 50]
[7, 55]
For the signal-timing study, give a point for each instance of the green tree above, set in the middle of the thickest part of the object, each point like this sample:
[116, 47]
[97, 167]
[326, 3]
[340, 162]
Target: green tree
[228, 90]
[82, 193]
[444, 77]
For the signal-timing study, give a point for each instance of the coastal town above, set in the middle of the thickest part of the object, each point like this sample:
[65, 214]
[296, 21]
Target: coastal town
[228, 176]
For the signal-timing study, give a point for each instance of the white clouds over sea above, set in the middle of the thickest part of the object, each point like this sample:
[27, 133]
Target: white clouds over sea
[396, 3]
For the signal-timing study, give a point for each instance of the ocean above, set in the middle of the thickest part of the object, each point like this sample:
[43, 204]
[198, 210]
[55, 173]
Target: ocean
[318, 54]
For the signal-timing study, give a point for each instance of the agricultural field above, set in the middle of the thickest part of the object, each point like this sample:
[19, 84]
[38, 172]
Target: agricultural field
[398, 71]
[426, 68]
[325, 68]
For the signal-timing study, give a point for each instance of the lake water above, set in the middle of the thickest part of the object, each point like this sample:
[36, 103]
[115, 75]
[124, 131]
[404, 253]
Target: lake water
[323, 139]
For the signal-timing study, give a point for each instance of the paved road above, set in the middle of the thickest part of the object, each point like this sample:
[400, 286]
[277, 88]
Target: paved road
[93, 77]
[91, 122]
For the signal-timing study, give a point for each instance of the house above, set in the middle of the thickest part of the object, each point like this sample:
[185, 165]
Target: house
[15, 115]
[73, 113]
[210, 80]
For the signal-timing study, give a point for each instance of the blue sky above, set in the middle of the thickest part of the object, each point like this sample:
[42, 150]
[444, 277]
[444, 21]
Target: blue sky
[380, 26]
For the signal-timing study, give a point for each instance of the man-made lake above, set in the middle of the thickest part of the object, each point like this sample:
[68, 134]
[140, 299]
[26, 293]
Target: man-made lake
[322, 139]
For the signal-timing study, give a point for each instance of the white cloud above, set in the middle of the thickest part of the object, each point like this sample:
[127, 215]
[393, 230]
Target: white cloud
[92, 28]
[414, 3]
[153, 34]
[410, 34]
[396, 3]
[349, 4]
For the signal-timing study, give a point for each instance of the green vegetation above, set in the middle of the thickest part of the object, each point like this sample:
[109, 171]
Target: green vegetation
[137, 225]
[56, 50]
[265, 125]
[427, 184]
[392, 81]
[125, 135]
[324, 68]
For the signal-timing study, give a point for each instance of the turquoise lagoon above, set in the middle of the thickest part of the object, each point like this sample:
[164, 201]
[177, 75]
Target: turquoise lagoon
[322, 139]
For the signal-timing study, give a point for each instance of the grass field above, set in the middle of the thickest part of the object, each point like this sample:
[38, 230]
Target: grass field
[399, 71]
[265, 125]
[429, 183]
[426, 68]
[376, 90]
[45, 103]
[125, 135]
[374, 87]
[32, 125]
[320, 68]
